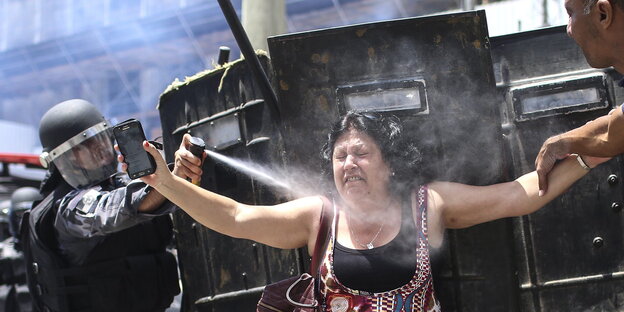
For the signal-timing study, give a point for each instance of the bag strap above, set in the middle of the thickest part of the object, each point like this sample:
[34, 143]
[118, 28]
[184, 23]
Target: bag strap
[302, 278]
[322, 238]
[328, 213]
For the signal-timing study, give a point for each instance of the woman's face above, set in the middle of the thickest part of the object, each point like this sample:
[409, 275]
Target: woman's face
[359, 169]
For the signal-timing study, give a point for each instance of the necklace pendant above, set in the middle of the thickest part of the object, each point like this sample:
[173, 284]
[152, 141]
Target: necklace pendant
[370, 245]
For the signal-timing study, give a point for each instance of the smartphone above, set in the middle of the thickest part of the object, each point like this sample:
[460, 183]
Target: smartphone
[130, 136]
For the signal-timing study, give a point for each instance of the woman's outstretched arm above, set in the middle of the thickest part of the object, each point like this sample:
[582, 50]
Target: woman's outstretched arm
[459, 205]
[291, 224]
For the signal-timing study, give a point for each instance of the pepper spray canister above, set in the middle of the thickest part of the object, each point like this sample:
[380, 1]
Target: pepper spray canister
[197, 148]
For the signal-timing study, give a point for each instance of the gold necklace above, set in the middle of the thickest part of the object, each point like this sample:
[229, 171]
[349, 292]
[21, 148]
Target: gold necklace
[370, 244]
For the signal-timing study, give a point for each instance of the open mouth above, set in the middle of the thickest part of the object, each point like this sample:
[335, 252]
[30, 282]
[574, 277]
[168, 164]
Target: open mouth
[353, 179]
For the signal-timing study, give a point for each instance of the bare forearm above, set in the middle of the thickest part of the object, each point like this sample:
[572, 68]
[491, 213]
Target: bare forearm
[615, 133]
[527, 200]
[465, 205]
[603, 137]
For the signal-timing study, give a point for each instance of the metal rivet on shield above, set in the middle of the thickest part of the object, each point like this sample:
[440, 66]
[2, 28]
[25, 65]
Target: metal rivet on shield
[598, 242]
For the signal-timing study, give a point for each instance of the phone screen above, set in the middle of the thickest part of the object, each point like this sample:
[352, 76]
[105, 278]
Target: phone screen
[130, 137]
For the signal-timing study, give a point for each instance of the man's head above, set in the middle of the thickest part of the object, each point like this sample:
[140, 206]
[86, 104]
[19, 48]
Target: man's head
[588, 4]
[595, 25]
[77, 140]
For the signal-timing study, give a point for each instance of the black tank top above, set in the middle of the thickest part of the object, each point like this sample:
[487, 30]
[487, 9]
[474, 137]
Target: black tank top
[382, 268]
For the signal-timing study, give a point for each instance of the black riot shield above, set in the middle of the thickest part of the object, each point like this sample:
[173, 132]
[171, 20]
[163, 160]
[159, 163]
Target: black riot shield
[435, 74]
[224, 107]
[431, 71]
[569, 254]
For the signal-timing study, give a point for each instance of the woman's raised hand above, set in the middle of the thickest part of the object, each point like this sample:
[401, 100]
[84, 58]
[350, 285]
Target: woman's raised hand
[186, 166]
[162, 171]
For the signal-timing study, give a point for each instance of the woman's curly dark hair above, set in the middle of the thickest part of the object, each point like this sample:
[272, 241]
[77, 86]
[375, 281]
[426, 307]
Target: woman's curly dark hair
[400, 154]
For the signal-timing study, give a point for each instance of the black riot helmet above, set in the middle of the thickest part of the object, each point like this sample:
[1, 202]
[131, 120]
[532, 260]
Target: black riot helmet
[21, 200]
[77, 139]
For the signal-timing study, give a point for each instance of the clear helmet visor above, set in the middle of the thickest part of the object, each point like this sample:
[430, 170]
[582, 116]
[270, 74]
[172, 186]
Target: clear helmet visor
[88, 158]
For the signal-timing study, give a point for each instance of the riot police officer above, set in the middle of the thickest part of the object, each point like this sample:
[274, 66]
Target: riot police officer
[96, 242]
[12, 268]
[22, 200]
[4, 219]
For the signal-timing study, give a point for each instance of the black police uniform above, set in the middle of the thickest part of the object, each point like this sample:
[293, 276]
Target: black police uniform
[90, 250]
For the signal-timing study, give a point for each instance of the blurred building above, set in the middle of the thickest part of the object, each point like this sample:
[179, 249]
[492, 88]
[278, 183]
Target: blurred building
[121, 54]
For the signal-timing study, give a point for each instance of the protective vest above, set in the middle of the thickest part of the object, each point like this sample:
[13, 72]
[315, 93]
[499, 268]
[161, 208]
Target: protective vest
[128, 271]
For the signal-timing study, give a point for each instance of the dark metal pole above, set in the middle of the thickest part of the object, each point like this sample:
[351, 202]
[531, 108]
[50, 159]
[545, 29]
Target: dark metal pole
[250, 56]
[224, 55]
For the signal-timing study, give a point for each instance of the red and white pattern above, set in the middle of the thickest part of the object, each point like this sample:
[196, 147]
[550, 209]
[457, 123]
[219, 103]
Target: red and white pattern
[415, 296]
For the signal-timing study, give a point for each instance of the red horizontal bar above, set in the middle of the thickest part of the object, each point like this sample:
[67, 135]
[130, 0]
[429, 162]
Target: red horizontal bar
[20, 158]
